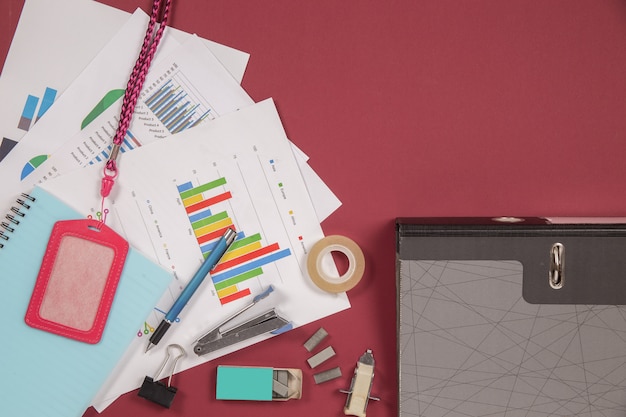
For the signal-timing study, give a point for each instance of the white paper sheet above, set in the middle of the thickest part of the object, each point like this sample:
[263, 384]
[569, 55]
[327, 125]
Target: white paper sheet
[184, 89]
[249, 151]
[53, 42]
[108, 71]
[191, 72]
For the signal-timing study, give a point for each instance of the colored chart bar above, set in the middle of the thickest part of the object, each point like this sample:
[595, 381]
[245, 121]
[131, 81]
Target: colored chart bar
[30, 107]
[208, 202]
[200, 215]
[219, 225]
[206, 249]
[245, 241]
[253, 273]
[247, 257]
[243, 247]
[6, 145]
[235, 253]
[174, 107]
[131, 138]
[129, 143]
[236, 296]
[225, 292]
[209, 220]
[46, 102]
[157, 98]
[163, 110]
[184, 187]
[184, 121]
[177, 114]
[192, 200]
[249, 266]
[28, 113]
[202, 188]
[211, 236]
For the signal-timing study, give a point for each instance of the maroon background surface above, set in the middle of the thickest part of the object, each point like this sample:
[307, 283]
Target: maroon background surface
[414, 108]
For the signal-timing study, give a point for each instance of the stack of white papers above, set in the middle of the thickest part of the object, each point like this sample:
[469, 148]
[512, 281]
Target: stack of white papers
[199, 156]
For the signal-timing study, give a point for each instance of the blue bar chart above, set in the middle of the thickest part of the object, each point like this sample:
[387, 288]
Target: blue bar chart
[176, 106]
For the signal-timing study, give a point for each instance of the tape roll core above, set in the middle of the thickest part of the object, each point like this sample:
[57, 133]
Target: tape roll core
[356, 264]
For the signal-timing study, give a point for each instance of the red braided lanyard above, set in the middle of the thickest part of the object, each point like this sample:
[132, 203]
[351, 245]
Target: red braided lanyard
[135, 83]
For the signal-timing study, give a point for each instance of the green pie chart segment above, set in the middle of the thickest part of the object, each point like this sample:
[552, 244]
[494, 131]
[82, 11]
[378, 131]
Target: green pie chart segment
[32, 165]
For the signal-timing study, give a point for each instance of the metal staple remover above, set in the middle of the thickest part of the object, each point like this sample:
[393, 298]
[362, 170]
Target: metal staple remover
[217, 338]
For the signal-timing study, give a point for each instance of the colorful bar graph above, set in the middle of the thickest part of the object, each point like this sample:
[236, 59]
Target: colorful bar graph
[245, 258]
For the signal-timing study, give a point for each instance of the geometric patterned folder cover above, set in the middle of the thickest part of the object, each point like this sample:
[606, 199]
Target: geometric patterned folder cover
[470, 345]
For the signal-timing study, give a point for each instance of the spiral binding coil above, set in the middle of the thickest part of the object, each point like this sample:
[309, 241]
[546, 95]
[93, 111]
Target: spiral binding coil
[13, 218]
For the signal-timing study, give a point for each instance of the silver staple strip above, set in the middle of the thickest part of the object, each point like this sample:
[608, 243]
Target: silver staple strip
[282, 377]
[279, 390]
[321, 357]
[315, 340]
[328, 375]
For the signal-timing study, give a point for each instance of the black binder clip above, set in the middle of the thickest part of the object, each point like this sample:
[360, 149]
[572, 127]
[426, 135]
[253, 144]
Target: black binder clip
[157, 391]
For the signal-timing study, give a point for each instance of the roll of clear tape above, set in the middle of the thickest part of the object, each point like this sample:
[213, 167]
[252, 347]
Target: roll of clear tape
[356, 264]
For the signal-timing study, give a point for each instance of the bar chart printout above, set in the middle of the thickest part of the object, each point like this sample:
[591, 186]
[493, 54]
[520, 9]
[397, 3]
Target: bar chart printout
[242, 266]
[175, 107]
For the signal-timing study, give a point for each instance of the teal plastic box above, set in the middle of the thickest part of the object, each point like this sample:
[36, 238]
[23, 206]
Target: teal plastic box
[255, 383]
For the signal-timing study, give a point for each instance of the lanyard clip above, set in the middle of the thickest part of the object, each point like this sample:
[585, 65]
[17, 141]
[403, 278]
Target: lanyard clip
[115, 150]
[110, 172]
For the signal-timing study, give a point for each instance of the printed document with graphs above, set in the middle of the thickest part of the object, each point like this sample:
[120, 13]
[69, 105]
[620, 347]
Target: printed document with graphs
[175, 197]
[54, 42]
[79, 127]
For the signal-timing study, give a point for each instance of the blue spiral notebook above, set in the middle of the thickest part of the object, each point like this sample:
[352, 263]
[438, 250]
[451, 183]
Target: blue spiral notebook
[44, 374]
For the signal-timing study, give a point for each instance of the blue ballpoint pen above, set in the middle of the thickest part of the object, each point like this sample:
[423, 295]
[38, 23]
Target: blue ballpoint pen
[214, 257]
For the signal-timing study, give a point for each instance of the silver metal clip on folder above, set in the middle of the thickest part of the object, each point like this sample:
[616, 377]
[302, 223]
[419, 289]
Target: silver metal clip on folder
[267, 322]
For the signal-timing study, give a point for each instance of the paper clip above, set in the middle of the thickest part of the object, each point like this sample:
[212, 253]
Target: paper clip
[557, 262]
[157, 391]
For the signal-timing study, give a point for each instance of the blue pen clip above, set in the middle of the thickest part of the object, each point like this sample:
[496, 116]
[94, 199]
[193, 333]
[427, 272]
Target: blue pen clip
[283, 329]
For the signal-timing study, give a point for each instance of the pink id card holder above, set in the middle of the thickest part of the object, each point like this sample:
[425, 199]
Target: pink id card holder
[77, 280]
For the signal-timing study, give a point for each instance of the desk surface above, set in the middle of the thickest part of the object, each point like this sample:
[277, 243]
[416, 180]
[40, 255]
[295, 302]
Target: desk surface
[415, 108]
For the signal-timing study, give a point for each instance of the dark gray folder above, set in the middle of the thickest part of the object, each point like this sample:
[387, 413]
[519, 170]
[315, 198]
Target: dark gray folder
[483, 332]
